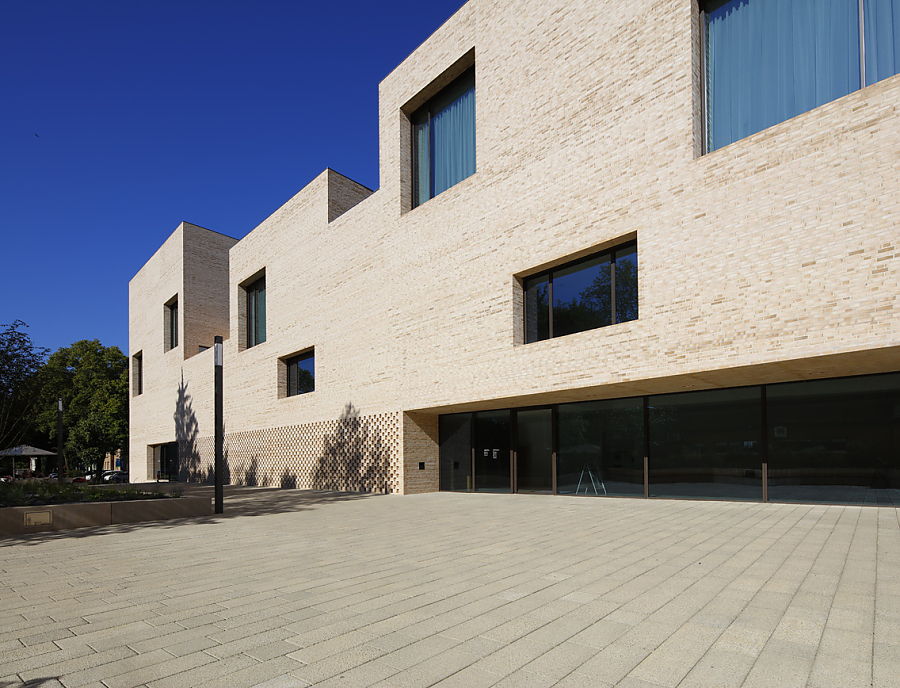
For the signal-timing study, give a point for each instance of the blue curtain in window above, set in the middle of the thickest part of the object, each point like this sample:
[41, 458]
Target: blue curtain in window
[453, 136]
[882, 20]
[770, 60]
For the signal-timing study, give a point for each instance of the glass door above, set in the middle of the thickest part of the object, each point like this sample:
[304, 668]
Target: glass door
[534, 450]
[492, 459]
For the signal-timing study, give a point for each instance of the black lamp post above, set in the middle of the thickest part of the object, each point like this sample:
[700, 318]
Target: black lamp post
[220, 428]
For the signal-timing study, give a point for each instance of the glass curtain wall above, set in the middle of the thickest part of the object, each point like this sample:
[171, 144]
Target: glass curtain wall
[456, 451]
[492, 443]
[534, 450]
[706, 445]
[835, 440]
[601, 448]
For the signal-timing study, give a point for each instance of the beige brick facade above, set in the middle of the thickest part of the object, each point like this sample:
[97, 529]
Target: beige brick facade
[772, 259]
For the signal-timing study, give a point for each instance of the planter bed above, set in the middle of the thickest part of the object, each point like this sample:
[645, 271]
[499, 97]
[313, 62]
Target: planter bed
[21, 520]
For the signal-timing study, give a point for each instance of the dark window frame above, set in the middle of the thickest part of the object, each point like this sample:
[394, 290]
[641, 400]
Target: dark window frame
[171, 324]
[255, 334]
[137, 371]
[292, 372]
[424, 115]
[612, 251]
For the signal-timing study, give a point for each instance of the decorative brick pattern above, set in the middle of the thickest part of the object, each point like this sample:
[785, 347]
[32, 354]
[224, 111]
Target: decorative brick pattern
[354, 453]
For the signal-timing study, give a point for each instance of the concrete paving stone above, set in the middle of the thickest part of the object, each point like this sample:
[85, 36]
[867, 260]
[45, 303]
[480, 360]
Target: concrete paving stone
[776, 670]
[469, 677]
[392, 641]
[560, 661]
[831, 670]
[252, 674]
[886, 674]
[108, 670]
[174, 637]
[332, 646]
[167, 667]
[46, 658]
[339, 663]
[512, 657]
[849, 644]
[11, 681]
[418, 651]
[227, 635]
[669, 663]
[434, 669]
[525, 679]
[362, 676]
[185, 647]
[285, 682]
[215, 670]
[719, 669]
[601, 634]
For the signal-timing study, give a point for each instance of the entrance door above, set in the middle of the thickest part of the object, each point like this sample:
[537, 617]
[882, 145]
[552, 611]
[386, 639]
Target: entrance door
[492, 460]
[534, 450]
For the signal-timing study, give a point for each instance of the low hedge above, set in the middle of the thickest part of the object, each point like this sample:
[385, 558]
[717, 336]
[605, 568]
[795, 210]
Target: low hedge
[42, 493]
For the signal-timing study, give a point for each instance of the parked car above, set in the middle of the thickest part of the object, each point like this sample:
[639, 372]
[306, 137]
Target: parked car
[79, 479]
[115, 477]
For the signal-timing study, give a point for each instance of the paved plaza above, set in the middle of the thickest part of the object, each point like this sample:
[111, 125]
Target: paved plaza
[298, 588]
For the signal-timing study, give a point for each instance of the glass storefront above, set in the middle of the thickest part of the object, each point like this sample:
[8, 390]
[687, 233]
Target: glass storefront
[833, 441]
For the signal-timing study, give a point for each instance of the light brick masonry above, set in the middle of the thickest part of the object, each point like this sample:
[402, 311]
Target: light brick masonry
[771, 259]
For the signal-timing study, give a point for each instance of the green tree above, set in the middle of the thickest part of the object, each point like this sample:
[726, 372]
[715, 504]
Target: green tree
[20, 361]
[92, 380]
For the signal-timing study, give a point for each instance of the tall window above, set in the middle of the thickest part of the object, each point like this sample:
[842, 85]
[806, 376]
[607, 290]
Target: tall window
[767, 61]
[256, 312]
[591, 292]
[171, 325]
[301, 373]
[137, 374]
[444, 139]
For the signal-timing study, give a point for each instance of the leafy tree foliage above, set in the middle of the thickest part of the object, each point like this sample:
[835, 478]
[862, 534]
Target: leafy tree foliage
[92, 380]
[20, 360]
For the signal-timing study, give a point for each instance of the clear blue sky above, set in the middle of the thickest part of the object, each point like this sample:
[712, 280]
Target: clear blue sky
[121, 118]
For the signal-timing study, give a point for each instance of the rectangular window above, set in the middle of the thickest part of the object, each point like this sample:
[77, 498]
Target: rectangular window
[767, 61]
[171, 325]
[137, 374]
[443, 146]
[585, 294]
[301, 373]
[256, 312]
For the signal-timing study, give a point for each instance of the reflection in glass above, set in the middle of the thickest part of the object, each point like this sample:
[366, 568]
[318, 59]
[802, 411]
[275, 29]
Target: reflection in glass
[456, 451]
[534, 450]
[581, 297]
[626, 285]
[537, 309]
[601, 448]
[706, 445]
[492, 451]
[835, 440]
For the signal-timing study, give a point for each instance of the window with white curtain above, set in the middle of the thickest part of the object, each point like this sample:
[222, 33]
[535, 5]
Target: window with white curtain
[767, 61]
[443, 146]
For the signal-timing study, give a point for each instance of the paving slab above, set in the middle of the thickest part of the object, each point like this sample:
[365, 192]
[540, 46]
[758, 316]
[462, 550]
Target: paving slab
[293, 588]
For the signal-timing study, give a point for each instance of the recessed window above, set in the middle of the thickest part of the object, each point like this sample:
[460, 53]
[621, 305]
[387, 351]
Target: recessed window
[443, 133]
[256, 312]
[767, 61]
[301, 373]
[137, 374]
[592, 292]
[170, 325]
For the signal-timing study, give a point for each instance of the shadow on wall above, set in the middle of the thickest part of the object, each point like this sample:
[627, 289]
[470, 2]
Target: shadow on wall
[190, 468]
[354, 457]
